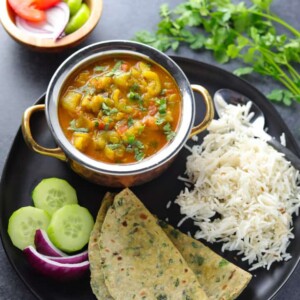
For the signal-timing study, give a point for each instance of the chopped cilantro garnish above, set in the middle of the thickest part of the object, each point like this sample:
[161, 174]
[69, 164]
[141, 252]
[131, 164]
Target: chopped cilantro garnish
[134, 96]
[162, 105]
[100, 68]
[114, 146]
[160, 120]
[130, 122]
[131, 139]
[135, 87]
[116, 69]
[72, 126]
[138, 154]
[108, 110]
[168, 132]
[135, 146]
[87, 90]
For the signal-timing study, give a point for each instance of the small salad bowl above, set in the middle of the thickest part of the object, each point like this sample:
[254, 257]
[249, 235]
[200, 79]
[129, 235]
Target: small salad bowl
[43, 44]
[117, 174]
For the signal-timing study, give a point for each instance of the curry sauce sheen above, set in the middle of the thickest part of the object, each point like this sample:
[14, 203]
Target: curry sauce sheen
[120, 109]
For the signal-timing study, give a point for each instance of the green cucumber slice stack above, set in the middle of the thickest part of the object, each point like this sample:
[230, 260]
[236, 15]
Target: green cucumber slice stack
[53, 193]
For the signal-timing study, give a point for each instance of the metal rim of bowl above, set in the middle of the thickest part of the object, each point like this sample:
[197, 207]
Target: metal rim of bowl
[94, 51]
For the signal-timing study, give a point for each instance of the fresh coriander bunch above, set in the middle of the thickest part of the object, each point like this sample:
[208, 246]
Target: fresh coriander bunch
[234, 31]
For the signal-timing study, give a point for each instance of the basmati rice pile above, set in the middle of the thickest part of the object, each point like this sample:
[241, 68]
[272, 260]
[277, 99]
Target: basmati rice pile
[244, 192]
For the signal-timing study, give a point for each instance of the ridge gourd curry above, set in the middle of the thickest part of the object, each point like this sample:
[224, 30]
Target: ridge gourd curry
[120, 109]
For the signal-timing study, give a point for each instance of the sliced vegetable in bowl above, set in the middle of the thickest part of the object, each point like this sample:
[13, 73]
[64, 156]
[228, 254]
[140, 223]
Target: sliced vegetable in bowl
[41, 42]
[78, 19]
[50, 19]
[52, 27]
[32, 10]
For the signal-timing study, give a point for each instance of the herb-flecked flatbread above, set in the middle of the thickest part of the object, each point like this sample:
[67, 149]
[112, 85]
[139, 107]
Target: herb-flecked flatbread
[220, 279]
[139, 260]
[97, 280]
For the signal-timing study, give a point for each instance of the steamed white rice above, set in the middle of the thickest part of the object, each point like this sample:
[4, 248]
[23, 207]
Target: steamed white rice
[244, 192]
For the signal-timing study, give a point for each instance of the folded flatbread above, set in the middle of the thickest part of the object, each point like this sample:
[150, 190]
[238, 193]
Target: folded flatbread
[220, 279]
[140, 261]
[97, 278]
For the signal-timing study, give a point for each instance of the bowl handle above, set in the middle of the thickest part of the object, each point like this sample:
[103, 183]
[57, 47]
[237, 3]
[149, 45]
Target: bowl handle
[54, 152]
[209, 109]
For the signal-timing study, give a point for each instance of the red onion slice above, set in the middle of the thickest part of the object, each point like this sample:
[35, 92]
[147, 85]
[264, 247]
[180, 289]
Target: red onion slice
[44, 246]
[53, 269]
[57, 18]
[71, 259]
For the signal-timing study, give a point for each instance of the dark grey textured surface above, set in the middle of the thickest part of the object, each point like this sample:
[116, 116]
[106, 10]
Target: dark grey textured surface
[24, 76]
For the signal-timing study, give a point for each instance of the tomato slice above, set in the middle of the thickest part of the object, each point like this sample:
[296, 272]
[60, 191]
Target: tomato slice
[26, 9]
[45, 4]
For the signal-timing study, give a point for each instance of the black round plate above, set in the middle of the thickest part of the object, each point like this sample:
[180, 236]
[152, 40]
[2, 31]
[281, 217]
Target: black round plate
[25, 168]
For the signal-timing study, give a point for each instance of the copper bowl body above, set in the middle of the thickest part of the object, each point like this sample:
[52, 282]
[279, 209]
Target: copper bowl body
[117, 175]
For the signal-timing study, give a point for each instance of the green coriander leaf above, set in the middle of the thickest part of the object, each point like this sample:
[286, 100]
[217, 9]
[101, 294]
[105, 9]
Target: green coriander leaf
[134, 96]
[135, 87]
[87, 90]
[138, 154]
[130, 122]
[164, 10]
[100, 69]
[263, 4]
[72, 127]
[276, 95]
[198, 42]
[287, 98]
[116, 69]
[175, 45]
[221, 56]
[233, 51]
[114, 146]
[243, 71]
[160, 120]
[168, 131]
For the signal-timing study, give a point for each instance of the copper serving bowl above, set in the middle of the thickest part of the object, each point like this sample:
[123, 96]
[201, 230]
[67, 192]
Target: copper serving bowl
[113, 174]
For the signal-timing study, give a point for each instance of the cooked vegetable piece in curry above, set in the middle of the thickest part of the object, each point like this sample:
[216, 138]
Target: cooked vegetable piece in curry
[120, 110]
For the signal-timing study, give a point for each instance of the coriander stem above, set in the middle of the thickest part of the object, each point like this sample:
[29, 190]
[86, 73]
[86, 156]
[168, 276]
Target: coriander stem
[278, 20]
[293, 72]
[269, 56]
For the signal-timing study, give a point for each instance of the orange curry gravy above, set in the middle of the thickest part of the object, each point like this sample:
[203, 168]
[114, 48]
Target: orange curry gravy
[120, 109]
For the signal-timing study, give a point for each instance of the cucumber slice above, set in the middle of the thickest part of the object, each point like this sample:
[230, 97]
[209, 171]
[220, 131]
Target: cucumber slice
[53, 193]
[23, 224]
[70, 227]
